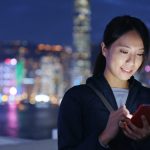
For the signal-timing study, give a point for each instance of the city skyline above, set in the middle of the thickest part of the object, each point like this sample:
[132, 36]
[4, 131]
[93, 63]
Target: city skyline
[52, 21]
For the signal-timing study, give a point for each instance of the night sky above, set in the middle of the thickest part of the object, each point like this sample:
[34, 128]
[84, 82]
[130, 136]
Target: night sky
[50, 21]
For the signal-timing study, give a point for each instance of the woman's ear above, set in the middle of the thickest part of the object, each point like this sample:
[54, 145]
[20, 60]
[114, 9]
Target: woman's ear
[104, 49]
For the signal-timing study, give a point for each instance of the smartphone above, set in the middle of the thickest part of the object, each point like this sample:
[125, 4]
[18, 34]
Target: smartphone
[143, 109]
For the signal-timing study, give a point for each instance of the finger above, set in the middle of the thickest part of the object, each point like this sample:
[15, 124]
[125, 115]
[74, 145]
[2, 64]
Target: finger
[129, 116]
[146, 127]
[144, 121]
[129, 136]
[134, 131]
[126, 112]
[128, 130]
[131, 125]
[122, 124]
[137, 133]
[140, 132]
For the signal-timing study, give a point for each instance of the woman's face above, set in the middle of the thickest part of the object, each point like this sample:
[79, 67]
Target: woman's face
[124, 57]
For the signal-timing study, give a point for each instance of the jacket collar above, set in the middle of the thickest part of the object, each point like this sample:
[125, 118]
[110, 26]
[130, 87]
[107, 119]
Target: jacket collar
[101, 83]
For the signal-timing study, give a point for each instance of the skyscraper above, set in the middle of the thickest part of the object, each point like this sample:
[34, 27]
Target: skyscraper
[81, 41]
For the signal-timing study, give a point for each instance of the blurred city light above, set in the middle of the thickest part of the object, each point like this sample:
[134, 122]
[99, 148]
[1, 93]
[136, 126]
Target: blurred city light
[42, 98]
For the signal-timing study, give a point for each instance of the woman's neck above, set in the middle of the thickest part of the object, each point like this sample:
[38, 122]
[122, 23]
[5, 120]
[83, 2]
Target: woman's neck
[116, 83]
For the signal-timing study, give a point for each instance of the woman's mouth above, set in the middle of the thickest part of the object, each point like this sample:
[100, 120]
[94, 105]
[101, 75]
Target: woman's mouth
[126, 70]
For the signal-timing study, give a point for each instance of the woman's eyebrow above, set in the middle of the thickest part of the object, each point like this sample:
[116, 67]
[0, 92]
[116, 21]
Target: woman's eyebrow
[125, 46]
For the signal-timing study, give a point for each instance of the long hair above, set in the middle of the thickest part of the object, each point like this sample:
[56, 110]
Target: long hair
[117, 27]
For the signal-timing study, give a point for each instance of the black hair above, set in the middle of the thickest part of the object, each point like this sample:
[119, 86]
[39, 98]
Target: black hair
[114, 30]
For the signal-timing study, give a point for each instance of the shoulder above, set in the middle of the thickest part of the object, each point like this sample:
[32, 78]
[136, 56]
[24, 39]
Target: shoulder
[78, 89]
[140, 85]
[144, 93]
[139, 88]
[145, 88]
[75, 94]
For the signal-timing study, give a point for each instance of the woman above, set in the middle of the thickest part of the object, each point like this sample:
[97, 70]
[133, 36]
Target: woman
[84, 123]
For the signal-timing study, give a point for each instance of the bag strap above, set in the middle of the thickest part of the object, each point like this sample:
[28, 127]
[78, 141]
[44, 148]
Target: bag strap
[101, 96]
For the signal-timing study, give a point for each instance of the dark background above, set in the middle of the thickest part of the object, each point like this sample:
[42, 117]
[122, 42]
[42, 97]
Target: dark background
[51, 21]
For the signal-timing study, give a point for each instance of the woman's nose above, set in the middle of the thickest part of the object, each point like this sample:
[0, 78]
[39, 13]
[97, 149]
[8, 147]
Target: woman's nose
[131, 60]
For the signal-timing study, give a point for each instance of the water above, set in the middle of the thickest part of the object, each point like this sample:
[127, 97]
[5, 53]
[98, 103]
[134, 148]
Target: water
[28, 121]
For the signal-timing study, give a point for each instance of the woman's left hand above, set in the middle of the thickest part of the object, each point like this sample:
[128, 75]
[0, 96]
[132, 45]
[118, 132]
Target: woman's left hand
[135, 133]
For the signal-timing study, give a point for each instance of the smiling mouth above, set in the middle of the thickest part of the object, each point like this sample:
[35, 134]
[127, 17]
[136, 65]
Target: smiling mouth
[126, 70]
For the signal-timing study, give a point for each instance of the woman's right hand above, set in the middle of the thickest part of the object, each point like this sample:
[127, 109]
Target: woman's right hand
[112, 126]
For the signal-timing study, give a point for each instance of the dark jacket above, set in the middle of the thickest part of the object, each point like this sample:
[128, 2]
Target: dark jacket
[82, 116]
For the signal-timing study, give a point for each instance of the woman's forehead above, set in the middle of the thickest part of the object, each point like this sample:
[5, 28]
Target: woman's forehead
[129, 40]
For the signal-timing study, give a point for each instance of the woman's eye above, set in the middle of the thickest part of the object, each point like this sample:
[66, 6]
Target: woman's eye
[123, 51]
[140, 54]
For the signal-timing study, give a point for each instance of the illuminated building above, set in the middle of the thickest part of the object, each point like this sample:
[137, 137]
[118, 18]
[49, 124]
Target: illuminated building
[81, 41]
[8, 88]
[34, 72]
[51, 77]
[50, 81]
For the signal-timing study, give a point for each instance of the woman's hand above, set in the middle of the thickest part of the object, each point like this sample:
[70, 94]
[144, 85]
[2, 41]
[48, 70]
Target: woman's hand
[135, 133]
[112, 126]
